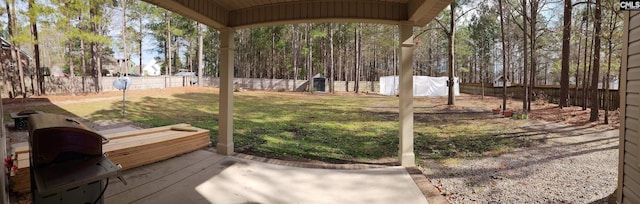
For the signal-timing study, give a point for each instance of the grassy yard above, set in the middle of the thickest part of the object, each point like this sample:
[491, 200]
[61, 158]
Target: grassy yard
[329, 128]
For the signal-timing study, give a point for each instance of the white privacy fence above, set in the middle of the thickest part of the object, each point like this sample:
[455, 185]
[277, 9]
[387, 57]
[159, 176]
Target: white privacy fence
[422, 86]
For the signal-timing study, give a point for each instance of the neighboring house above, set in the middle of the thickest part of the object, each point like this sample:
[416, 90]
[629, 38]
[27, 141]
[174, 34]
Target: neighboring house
[498, 82]
[629, 145]
[5, 56]
[116, 66]
[613, 84]
[10, 71]
[151, 68]
[109, 66]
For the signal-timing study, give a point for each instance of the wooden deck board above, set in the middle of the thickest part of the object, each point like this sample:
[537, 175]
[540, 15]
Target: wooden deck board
[152, 179]
[144, 175]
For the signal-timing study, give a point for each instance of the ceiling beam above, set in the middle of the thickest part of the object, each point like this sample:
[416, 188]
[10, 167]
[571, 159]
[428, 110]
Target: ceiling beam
[211, 13]
[422, 12]
[319, 11]
[205, 12]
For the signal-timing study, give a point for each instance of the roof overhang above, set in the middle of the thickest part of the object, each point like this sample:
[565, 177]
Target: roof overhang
[252, 13]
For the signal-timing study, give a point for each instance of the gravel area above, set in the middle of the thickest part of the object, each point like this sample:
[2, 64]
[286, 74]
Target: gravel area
[570, 164]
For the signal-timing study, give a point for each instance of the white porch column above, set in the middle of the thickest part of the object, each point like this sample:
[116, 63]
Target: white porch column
[225, 120]
[406, 155]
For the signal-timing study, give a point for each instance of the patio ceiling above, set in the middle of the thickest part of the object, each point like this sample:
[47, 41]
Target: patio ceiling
[220, 14]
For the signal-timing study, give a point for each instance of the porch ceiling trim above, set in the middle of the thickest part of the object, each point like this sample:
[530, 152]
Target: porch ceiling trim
[246, 14]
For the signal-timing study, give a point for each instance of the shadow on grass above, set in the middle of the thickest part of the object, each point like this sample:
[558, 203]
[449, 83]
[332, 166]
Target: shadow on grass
[275, 126]
[37, 104]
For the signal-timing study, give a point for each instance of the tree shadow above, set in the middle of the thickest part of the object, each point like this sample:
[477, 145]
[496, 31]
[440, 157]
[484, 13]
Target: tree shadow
[474, 179]
[316, 129]
[16, 105]
[610, 199]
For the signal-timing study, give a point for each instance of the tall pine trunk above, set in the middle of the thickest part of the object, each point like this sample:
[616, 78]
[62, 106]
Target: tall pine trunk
[96, 47]
[358, 41]
[566, 52]
[273, 58]
[534, 65]
[347, 71]
[331, 68]
[83, 62]
[587, 99]
[36, 49]
[124, 38]
[15, 48]
[295, 56]
[525, 99]
[451, 100]
[612, 26]
[595, 103]
[585, 83]
[309, 60]
[72, 75]
[578, 66]
[168, 44]
[140, 46]
[505, 71]
[83, 65]
[200, 55]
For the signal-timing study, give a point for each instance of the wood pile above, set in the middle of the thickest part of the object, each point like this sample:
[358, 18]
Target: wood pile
[20, 157]
[129, 149]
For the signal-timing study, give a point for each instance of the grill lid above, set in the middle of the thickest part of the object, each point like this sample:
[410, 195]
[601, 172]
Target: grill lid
[56, 138]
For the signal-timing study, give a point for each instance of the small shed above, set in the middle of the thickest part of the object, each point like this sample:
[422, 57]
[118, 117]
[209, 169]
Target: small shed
[319, 84]
[499, 82]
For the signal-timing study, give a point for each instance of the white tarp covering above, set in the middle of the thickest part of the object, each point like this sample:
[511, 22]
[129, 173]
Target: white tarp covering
[422, 86]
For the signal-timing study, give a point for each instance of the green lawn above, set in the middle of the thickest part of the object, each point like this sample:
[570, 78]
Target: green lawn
[337, 129]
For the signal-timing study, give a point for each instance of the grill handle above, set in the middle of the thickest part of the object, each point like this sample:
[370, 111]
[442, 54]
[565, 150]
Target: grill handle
[104, 139]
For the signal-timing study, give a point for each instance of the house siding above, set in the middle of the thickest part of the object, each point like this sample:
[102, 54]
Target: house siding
[629, 170]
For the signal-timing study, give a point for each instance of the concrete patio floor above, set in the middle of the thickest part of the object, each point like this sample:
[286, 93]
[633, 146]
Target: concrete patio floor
[206, 177]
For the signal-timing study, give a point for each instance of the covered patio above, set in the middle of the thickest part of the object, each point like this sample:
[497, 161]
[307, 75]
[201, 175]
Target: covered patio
[206, 177]
[229, 15]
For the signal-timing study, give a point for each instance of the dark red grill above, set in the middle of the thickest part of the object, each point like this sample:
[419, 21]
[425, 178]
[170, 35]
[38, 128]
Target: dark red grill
[67, 159]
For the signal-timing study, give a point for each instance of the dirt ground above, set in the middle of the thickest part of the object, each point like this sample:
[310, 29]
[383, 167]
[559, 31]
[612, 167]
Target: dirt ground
[540, 110]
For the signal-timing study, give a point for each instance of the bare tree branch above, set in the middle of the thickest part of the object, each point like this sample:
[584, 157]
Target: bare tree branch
[444, 28]
[424, 31]
[583, 2]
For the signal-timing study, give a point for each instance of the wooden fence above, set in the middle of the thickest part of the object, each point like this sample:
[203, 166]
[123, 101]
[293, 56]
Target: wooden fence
[548, 93]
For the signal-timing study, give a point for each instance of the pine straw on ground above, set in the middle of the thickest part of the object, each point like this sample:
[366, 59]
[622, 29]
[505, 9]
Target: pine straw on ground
[574, 115]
